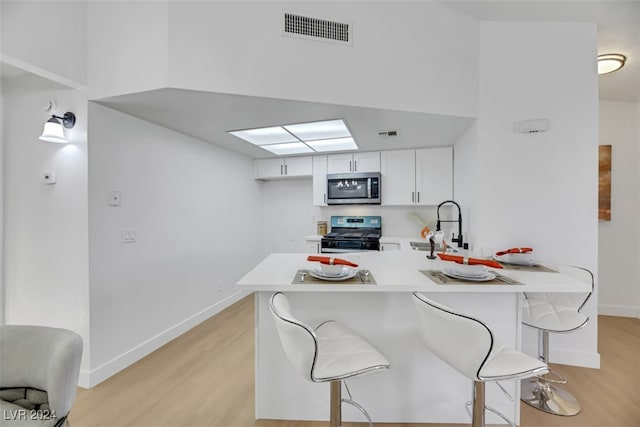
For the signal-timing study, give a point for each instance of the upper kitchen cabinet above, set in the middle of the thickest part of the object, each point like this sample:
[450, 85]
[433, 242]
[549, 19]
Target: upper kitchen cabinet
[417, 177]
[319, 180]
[353, 162]
[290, 167]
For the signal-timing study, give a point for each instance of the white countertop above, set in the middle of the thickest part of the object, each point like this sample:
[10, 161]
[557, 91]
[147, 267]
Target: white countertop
[394, 271]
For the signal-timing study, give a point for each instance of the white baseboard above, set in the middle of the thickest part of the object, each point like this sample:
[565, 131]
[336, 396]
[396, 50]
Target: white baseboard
[93, 377]
[618, 310]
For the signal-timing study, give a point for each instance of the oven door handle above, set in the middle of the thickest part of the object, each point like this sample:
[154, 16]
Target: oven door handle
[341, 251]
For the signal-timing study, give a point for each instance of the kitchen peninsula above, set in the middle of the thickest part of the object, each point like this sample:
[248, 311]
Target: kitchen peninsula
[418, 387]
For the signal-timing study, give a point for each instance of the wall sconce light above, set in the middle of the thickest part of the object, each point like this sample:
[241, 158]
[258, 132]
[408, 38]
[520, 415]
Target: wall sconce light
[610, 62]
[54, 129]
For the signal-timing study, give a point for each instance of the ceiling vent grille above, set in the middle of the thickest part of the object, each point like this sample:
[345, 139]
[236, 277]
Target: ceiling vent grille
[317, 29]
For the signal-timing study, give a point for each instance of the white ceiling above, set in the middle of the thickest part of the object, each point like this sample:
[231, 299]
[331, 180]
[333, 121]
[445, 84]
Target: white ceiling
[207, 116]
[8, 71]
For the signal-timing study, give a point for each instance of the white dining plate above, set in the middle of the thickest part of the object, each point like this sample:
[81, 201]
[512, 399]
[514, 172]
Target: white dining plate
[486, 277]
[516, 259]
[347, 273]
[467, 270]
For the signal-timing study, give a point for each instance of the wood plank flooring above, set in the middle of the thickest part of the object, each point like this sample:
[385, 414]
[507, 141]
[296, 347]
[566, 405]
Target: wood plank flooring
[204, 378]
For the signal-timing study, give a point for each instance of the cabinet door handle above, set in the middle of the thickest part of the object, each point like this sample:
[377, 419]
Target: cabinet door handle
[281, 169]
[418, 197]
[286, 172]
[325, 198]
[350, 166]
[413, 197]
[355, 166]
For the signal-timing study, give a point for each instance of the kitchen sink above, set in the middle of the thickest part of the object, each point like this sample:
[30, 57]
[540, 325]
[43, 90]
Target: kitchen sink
[425, 246]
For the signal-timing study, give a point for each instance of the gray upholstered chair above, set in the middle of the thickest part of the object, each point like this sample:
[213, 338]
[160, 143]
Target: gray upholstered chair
[39, 369]
[467, 345]
[329, 353]
[554, 312]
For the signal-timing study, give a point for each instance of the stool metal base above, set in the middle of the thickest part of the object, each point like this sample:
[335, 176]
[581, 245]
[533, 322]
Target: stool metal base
[335, 416]
[548, 398]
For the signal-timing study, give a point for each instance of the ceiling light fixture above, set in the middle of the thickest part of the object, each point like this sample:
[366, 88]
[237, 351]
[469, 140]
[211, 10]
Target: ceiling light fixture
[300, 138]
[54, 129]
[610, 62]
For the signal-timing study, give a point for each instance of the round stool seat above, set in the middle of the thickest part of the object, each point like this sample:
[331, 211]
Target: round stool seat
[506, 362]
[342, 353]
[541, 313]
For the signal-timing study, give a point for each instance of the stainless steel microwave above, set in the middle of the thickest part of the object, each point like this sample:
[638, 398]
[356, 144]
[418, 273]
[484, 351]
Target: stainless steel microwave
[361, 188]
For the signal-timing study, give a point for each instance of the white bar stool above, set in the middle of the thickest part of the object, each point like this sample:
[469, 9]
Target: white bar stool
[466, 344]
[557, 313]
[329, 353]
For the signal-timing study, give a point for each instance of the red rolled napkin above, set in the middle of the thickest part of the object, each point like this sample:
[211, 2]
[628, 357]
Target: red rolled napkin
[514, 251]
[331, 260]
[470, 261]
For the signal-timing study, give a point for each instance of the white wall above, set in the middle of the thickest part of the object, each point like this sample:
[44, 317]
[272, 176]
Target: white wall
[128, 50]
[412, 56]
[196, 211]
[46, 35]
[287, 215]
[466, 166]
[619, 239]
[46, 242]
[540, 190]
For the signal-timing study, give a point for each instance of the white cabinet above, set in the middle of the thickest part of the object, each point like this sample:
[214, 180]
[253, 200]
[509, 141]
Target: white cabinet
[292, 167]
[398, 178]
[313, 247]
[434, 175]
[319, 180]
[417, 177]
[353, 162]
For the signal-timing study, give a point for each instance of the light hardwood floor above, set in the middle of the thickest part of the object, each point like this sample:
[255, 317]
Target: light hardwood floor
[204, 378]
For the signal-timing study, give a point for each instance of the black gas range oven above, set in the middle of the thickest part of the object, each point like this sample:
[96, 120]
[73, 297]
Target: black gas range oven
[352, 234]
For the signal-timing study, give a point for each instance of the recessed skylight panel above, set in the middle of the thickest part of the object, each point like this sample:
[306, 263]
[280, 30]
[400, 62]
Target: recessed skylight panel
[327, 129]
[337, 144]
[301, 138]
[288, 148]
[262, 136]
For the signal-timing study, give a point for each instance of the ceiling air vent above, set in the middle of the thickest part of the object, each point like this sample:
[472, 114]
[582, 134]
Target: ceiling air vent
[317, 29]
[387, 133]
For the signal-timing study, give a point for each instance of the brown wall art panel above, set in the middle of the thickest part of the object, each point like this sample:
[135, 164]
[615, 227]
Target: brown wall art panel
[604, 183]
